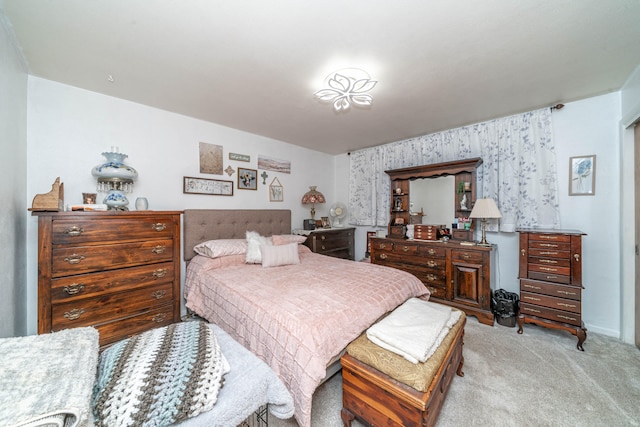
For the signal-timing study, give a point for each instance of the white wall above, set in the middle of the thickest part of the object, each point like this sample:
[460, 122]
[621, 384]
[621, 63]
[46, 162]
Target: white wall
[581, 128]
[69, 128]
[13, 123]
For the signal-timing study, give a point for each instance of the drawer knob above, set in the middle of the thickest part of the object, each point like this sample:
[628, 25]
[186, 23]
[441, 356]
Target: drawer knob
[74, 259]
[159, 226]
[159, 294]
[323, 248]
[74, 231]
[158, 249]
[576, 257]
[431, 251]
[323, 238]
[405, 248]
[431, 263]
[383, 256]
[523, 252]
[382, 246]
[160, 273]
[74, 314]
[431, 277]
[74, 288]
[466, 255]
[159, 318]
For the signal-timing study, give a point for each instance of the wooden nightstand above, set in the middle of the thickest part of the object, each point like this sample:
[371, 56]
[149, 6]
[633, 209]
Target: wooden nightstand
[335, 242]
[116, 271]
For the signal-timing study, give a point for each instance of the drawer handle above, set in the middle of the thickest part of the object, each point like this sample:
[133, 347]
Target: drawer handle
[382, 246]
[549, 253]
[405, 248]
[533, 309]
[74, 231]
[548, 245]
[159, 318]
[532, 298]
[548, 237]
[74, 288]
[74, 259]
[431, 263]
[431, 251]
[577, 257]
[548, 269]
[323, 237]
[567, 317]
[532, 287]
[159, 226]
[549, 261]
[566, 292]
[466, 256]
[158, 249]
[159, 294]
[431, 277]
[522, 252]
[323, 248]
[562, 304]
[74, 314]
[160, 273]
[550, 277]
[383, 256]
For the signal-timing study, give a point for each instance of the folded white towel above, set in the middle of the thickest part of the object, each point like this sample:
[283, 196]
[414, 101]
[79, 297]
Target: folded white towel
[415, 329]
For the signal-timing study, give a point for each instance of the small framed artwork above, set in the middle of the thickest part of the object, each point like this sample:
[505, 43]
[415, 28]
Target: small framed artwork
[325, 222]
[213, 187]
[247, 179]
[582, 175]
[275, 191]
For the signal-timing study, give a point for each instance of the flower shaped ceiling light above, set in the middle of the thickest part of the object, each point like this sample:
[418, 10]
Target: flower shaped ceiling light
[346, 87]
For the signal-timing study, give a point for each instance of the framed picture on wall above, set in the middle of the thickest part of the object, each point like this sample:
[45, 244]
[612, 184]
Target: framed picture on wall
[582, 175]
[247, 179]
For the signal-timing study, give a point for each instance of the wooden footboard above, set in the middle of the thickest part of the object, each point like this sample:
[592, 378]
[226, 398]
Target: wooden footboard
[377, 399]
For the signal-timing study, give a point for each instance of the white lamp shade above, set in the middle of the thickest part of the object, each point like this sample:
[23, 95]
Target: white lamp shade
[485, 208]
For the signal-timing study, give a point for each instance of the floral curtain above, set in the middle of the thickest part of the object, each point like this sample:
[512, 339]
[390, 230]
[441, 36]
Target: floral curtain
[518, 171]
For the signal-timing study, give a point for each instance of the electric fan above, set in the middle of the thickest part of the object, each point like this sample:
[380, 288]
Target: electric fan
[337, 212]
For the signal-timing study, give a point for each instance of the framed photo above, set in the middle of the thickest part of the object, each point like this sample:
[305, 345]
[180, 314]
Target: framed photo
[582, 175]
[325, 222]
[275, 191]
[247, 179]
[210, 158]
[213, 187]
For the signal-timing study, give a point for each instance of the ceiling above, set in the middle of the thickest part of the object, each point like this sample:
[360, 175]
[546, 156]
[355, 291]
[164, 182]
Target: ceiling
[254, 65]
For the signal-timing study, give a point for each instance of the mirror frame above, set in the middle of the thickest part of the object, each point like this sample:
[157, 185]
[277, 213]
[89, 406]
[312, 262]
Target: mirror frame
[461, 169]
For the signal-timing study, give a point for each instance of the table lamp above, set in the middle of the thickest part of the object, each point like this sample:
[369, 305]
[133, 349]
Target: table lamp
[485, 209]
[312, 197]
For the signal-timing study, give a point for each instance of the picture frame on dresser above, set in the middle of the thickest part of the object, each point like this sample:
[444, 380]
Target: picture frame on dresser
[582, 175]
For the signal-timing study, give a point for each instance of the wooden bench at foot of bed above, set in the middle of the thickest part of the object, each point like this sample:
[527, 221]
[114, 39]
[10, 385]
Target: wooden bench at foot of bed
[379, 400]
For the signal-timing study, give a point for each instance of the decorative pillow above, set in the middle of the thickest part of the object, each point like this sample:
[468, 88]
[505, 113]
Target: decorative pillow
[160, 377]
[273, 256]
[221, 247]
[284, 239]
[254, 240]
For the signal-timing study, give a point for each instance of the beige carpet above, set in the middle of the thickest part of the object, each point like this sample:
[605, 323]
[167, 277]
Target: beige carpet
[535, 379]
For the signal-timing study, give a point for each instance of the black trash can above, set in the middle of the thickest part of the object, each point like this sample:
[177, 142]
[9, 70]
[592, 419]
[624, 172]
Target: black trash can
[504, 306]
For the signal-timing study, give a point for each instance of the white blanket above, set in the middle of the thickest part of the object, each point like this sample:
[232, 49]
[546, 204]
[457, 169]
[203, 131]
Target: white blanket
[415, 329]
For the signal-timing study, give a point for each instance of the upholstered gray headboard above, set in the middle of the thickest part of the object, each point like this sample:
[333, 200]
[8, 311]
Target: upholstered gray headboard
[201, 225]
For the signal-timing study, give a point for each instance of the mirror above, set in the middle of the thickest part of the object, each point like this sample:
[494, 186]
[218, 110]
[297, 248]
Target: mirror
[435, 197]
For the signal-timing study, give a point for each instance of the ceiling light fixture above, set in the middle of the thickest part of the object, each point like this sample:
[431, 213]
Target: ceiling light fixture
[347, 87]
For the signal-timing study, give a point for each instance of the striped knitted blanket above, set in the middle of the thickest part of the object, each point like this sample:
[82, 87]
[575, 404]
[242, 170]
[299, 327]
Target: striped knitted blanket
[160, 377]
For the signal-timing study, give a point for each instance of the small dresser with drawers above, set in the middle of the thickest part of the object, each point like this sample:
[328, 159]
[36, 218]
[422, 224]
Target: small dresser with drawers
[550, 272]
[116, 271]
[335, 242]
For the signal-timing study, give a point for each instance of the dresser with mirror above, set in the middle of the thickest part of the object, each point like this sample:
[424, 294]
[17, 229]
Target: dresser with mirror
[457, 272]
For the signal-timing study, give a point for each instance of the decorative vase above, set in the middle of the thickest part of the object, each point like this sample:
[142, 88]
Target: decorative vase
[142, 204]
[115, 178]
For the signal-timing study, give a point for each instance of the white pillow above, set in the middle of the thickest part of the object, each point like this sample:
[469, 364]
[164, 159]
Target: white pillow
[221, 247]
[284, 239]
[273, 256]
[254, 240]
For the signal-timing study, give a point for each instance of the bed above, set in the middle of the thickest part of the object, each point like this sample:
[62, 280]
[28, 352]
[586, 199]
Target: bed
[297, 317]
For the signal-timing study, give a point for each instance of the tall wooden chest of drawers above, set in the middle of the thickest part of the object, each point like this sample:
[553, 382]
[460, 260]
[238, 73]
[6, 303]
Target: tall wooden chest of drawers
[335, 242]
[455, 274]
[116, 271]
[551, 280]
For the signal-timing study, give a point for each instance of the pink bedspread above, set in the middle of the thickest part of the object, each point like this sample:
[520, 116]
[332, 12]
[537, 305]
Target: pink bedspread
[296, 318]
